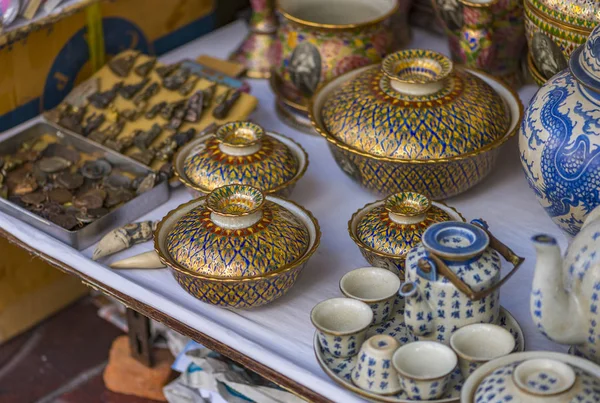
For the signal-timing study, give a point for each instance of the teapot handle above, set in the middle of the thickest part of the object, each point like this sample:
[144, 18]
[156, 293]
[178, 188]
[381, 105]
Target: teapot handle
[425, 264]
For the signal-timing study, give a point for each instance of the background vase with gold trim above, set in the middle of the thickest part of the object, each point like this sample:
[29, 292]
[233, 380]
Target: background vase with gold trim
[260, 52]
[320, 41]
[554, 29]
[471, 23]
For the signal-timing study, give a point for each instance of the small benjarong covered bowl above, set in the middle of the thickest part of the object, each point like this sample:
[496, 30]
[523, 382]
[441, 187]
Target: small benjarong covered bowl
[237, 247]
[532, 377]
[416, 123]
[386, 230]
[243, 153]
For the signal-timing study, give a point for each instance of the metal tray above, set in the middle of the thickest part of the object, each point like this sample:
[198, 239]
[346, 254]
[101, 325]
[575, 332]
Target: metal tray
[91, 233]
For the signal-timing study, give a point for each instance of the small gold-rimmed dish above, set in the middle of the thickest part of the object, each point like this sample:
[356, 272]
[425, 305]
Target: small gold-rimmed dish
[386, 230]
[243, 153]
[237, 247]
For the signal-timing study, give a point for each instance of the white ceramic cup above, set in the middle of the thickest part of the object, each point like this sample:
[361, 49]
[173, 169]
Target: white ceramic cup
[342, 325]
[479, 343]
[424, 369]
[374, 286]
[374, 371]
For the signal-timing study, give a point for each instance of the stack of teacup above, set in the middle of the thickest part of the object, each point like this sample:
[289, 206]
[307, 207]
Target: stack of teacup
[422, 369]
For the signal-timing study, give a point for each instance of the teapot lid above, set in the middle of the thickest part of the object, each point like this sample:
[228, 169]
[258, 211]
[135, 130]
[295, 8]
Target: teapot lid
[543, 378]
[237, 232]
[585, 62]
[416, 106]
[395, 226]
[240, 152]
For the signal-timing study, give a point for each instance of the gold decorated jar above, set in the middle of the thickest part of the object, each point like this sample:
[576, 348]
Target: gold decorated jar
[322, 40]
[242, 153]
[554, 29]
[386, 230]
[416, 123]
[237, 247]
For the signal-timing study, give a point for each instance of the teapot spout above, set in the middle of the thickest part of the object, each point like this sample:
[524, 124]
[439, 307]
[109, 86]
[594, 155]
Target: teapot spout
[417, 314]
[556, 313]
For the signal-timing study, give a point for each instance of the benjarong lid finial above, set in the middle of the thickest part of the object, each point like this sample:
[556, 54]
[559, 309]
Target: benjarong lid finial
[585, 61]
[396, 226]
[415, 106]
[237, 232]
[241, 152]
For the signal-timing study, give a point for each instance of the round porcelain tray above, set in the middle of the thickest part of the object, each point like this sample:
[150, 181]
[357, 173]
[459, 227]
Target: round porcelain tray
[339, 369]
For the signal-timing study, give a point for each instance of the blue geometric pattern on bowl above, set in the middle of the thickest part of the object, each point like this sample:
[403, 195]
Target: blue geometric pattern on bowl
[498, 387]
[340, 369]
[456, 239]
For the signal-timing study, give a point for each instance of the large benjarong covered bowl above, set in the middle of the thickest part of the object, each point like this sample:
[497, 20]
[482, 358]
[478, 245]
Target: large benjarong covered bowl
[415, 123]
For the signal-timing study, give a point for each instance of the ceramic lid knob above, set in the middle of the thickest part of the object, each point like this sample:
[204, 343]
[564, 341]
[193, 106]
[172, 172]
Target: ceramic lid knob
[407, 207]
[417, 73]
[585, 61]
[544, 377]
[240, 138]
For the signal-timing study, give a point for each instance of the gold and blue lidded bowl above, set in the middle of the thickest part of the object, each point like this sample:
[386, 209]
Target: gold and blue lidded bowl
[237, 247]
[416, 123]
[386, 230]
[241, 152]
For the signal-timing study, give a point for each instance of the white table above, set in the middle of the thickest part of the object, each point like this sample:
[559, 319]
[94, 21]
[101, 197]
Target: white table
[276, 340]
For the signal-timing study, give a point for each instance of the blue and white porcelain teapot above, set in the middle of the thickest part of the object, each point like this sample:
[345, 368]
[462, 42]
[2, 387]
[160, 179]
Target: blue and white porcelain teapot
[559, 141]
[453, 279]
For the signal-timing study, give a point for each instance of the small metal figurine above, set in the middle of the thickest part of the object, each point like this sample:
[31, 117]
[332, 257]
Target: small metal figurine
[223, 96]
[165, 172]
[148, 93]
[110, 132]
[194, 107]
[143, 69]
[122, 66]
[176, 80]
[222, 110]
[120, 145]
[166, 70]
[209, 94]
[92, 123]
[102, 99]
[168, 111]
[177, 119]
[189, 86]
[170, 145]
[129, 91]
[132, 114]
[143, 140]
[72, 117]
[124, 237]
[155, 109]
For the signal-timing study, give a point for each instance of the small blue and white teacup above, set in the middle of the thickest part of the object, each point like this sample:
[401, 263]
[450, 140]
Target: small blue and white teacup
[374, 286]
[374, 371]
[342, 325]
[424, 369]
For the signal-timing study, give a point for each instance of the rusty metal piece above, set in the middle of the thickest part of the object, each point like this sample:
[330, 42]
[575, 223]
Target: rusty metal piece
[174, 81]
[167, 70]
[129, 91]
[88, 201]
[71, 118]
[119, 145]
[194, 107]
[34, 198]
[67, 221]
[222, 110]
[143, 69]
[97, 169]
[148, 93]
[140, 342]
[177, 119]
[145, 157]
[189, 85]
[144, 139]
[155, 109]
[61, 151]
[53, 164]
[27, 185]
[101, 100]
[121, 66]
[92, 123]
[168, 111]
[69, 180]
[60, 195]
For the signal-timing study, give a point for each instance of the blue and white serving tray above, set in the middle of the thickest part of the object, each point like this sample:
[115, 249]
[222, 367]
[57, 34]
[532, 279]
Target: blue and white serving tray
[339, 369]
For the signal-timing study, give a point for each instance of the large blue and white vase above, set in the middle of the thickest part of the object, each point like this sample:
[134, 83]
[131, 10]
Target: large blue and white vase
[560, 139]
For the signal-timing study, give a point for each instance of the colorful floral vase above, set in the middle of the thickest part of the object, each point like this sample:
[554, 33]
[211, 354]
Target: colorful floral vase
[559, 139]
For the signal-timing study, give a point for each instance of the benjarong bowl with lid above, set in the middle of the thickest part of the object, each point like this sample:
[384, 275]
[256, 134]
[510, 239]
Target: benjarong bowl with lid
[237, 247]
[416, 123]
[241, 153]
[386, 230]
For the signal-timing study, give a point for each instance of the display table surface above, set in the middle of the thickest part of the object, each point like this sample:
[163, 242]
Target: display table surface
[276, 340]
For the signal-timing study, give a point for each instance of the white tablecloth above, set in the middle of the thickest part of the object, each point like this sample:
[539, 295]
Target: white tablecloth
[280, 335]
